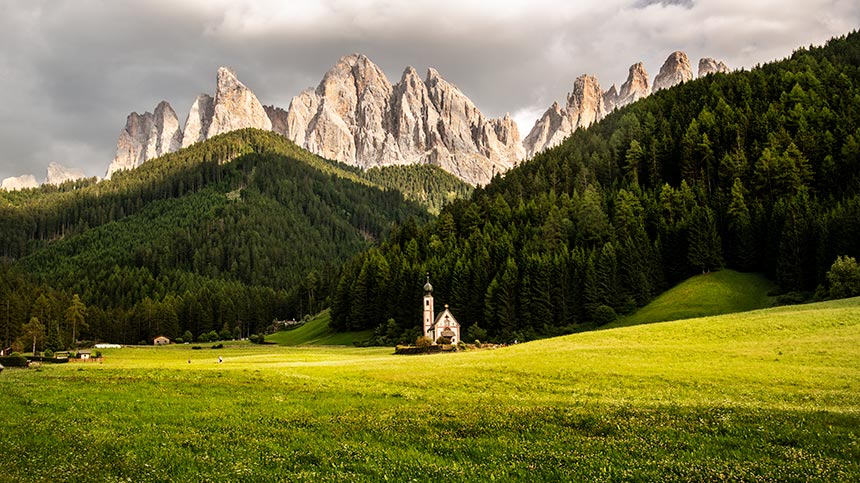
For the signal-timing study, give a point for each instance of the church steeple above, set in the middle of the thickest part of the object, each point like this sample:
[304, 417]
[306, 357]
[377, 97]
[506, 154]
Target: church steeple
[428, 289]
[429, 312]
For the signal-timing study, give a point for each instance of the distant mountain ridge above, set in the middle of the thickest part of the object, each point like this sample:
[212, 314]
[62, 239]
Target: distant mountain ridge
[587, 103]
[356, 116]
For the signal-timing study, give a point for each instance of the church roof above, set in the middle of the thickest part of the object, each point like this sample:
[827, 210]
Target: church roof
[448, 316]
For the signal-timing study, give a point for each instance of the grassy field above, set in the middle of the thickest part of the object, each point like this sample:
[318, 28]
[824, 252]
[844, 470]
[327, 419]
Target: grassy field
[769, 395]
[715, 293]
[317, 332]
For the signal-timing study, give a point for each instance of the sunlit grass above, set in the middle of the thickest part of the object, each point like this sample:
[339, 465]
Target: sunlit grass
[316, 331]
[768, 395]
[716, 293]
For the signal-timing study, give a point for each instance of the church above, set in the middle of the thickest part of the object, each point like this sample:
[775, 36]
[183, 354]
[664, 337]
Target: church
[445, 325]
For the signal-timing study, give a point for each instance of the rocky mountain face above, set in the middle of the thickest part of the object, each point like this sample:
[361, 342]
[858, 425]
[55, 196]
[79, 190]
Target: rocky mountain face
[150, 135]
[558, 123]
[198, 121]
[708, 65]
[675, 70]
[146, 136]
[58, 174]
[585, 105]
[14, 183]
[356, 116]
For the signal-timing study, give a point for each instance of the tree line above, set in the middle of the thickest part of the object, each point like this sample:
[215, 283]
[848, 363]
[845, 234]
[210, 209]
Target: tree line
[226, 236]
[754, 170]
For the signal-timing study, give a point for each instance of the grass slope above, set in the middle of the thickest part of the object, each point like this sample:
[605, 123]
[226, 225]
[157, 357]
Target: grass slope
[317, 332]
[715, 293]
[767, 395]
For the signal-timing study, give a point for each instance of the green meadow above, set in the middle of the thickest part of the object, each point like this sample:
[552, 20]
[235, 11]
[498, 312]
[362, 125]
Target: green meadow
[715, 293]
[316, 331]
[767, 395]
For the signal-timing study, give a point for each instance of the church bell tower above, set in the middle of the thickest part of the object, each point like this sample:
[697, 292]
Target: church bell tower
[428, 309]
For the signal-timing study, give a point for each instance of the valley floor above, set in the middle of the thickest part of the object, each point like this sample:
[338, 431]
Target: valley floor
[769, 395]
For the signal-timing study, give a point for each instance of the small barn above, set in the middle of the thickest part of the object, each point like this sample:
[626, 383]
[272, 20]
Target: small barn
[161, 340]
[84, 355]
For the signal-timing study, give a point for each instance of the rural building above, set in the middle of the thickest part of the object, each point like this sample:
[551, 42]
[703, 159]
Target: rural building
[84, 355]
[161, 340]
[445, 325]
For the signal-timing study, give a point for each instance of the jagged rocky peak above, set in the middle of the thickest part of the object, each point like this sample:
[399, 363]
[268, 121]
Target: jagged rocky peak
[146, 136]
[708, 65]
[58, 174]
[278, 117]
[675, 70]
[236, 107]
[198, 120]
[610, 98]
[356, 116]
[635, 87]
[586, 101]
[15, 183]
[585, 105]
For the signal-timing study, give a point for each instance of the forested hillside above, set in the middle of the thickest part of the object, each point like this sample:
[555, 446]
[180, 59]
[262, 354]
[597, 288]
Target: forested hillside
[754, 170]
[225, 235]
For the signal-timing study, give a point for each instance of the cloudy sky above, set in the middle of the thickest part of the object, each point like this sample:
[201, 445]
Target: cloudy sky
[72, 70]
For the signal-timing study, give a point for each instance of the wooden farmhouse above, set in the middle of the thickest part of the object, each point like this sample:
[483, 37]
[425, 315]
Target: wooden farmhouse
[443, 326]
[161, 340]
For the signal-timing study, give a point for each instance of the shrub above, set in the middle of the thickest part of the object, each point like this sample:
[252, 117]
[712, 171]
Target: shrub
[604, 314]
[442, 340]
[48, 354]
[180, 340]
[844, 278]
[218, 346]
[257, 338]
[423, 342]
[14, 360]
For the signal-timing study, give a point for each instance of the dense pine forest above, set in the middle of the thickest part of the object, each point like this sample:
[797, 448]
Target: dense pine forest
[754, 170]
[222, 237]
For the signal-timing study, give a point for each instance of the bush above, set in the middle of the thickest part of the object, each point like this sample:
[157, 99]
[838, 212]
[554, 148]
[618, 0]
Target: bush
[442, 340]
[844, 278]
[257, 338]
[218, 346]
[180, 340]
[604, 314]
[48, 354]
[423, 342]
[14, 360]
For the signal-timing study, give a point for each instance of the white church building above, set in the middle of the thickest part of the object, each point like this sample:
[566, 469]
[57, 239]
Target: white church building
[445, 325]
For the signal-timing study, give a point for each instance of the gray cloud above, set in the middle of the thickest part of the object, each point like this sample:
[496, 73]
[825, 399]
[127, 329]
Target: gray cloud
[71, 71]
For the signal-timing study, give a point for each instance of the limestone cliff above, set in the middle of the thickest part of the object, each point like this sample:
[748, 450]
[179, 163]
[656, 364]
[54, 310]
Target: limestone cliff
[356, 116]
[708, 65]
[675, 70]
[585, 105]
[146, 136]
[58, 174]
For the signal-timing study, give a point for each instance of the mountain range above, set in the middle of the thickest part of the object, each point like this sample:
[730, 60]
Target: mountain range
[356, 116]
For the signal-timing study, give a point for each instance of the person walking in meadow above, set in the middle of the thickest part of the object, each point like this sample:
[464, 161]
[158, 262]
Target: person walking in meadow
[220, 360]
